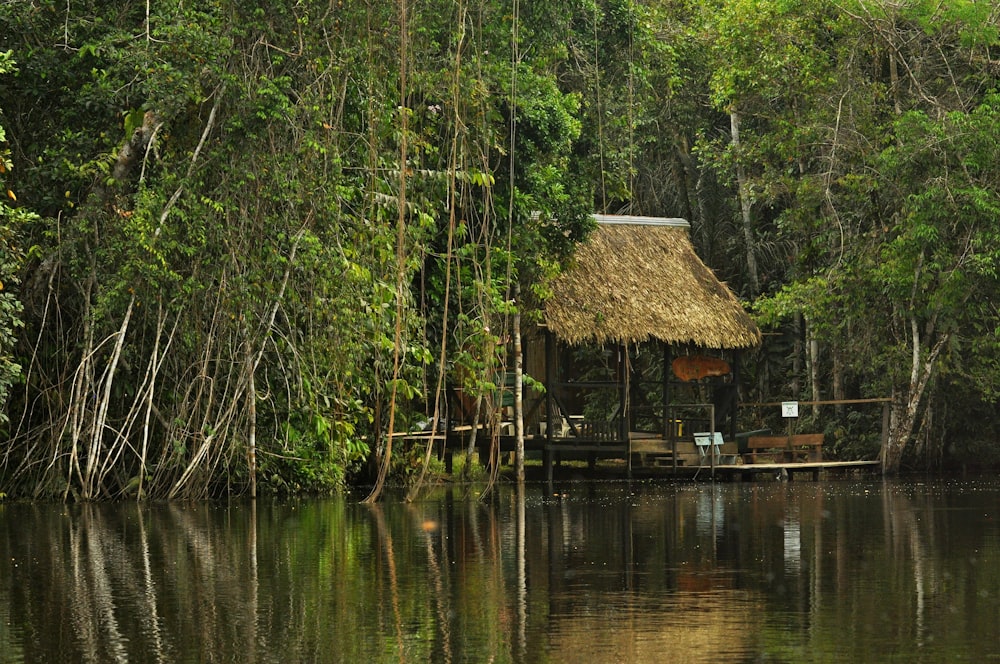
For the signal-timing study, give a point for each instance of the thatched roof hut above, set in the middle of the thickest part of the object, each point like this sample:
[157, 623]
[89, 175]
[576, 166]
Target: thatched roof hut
[638, 279]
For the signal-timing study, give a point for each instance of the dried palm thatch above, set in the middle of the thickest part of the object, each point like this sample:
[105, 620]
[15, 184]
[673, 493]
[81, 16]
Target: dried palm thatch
[637, 279]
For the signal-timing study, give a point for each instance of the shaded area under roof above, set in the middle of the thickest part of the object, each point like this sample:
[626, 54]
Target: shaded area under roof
[637, 279]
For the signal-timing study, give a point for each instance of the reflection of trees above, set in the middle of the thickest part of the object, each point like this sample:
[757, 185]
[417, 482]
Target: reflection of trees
[771, 570]
[811, 569]
[96, 625]
[879, 564]
[439, 579]
[906, 541]
[385, 539]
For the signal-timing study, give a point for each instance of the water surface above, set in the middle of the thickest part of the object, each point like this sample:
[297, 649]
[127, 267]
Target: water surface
[583, 572]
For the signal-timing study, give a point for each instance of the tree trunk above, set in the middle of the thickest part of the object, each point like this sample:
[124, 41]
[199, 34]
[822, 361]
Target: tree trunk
[795, 385]
[470, 447]
[744, 193]
[518, 392]
[905, 408]
[252, 433]
[813, 362]
[839, 393]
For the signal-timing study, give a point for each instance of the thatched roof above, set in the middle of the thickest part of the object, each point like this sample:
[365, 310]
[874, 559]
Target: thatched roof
[637, 279]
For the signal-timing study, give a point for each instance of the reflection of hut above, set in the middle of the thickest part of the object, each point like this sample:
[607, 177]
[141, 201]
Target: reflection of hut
[687, 626]
[642, 342]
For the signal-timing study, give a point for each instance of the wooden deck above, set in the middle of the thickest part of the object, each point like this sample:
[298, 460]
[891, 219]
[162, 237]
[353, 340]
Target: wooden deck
[650, 455]
[786, 470]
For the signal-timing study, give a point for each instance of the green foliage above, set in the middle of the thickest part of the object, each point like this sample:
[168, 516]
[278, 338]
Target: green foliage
[810, 298]
[887, 200]
[773, 50]
[218, 186]
[12, 219]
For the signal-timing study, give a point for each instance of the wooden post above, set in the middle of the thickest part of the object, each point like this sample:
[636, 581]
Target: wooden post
[885, 424]
[665, 392]
[735, 394]
[790, 452]
[711, 440]
[669, 430]
[550, 384]
[623, 388]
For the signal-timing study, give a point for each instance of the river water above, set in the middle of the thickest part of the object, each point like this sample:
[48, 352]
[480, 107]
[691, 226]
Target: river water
[859, 571]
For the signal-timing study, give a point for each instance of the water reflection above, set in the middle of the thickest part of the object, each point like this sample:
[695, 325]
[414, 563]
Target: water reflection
[602, 572]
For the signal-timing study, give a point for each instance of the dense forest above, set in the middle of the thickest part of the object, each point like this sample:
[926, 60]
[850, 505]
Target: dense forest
[243, 241]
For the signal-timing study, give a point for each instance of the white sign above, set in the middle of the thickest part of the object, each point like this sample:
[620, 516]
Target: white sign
[789, 408]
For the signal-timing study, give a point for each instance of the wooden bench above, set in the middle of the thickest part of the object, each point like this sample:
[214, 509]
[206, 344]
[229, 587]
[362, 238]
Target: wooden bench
[797, 447]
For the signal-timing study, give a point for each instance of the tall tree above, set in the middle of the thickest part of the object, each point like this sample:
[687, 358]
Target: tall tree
[906, 208]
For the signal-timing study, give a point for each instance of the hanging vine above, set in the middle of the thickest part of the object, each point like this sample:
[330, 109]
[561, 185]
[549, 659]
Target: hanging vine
[386, 461]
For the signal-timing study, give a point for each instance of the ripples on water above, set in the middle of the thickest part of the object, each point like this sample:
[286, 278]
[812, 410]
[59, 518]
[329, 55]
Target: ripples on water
[580, 573]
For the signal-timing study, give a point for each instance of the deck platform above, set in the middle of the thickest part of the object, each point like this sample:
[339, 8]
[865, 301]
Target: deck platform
[650, 455]
[786, 470]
